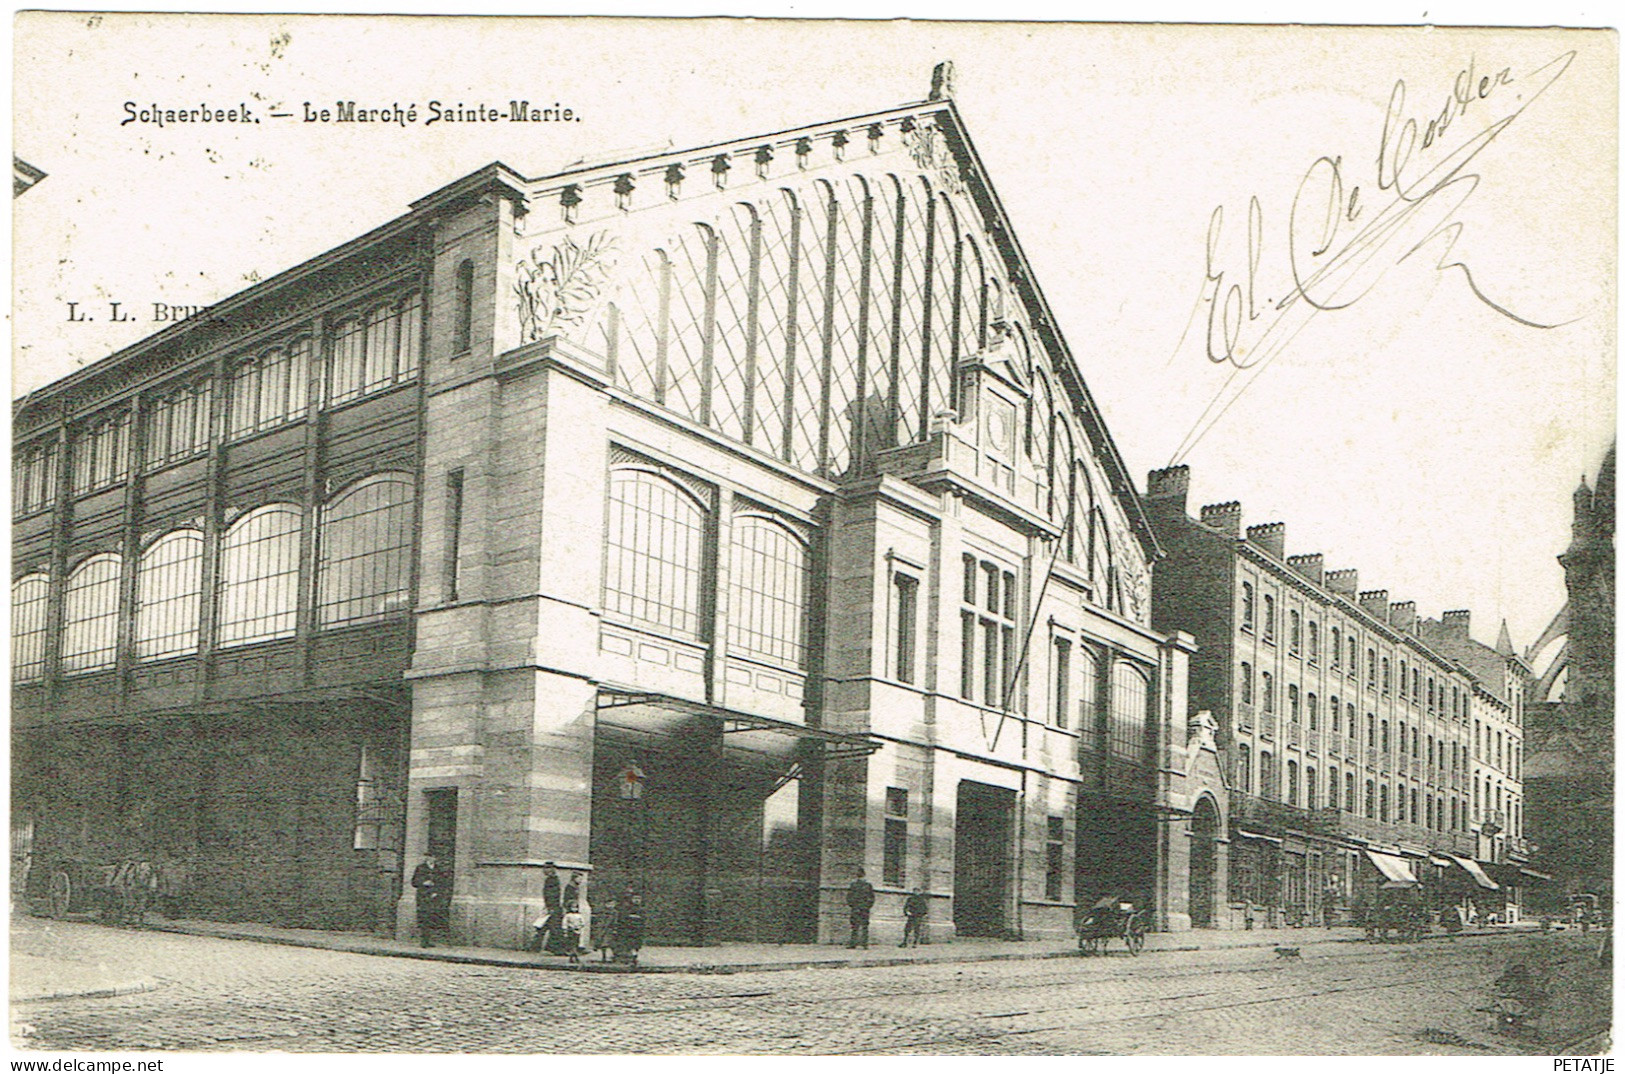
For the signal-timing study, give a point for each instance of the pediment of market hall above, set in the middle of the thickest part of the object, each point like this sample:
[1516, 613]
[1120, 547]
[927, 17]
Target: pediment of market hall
[827, 297]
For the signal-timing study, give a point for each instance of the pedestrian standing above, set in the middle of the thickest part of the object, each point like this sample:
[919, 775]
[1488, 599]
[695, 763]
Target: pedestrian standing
[551, 924]
[915, 909]
[433, 888]
[860, 899]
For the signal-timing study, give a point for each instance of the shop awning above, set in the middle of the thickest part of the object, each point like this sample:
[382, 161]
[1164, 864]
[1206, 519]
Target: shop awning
[1392, 867]
[1443, 863]
[1480, 877]
[835, 744]
[1254, 835]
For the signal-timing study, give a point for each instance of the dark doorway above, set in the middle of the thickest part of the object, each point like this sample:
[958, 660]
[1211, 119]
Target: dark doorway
[443, 827]
[1204, 833]
[983, 858]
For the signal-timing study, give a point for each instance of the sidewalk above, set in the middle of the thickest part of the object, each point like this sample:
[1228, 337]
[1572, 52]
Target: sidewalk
[745, 958]
[35, 978]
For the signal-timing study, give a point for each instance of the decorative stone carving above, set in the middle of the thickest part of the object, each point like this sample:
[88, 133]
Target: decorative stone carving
[558, 286]
[1139, 597]
[928, 148]
[1200, 730]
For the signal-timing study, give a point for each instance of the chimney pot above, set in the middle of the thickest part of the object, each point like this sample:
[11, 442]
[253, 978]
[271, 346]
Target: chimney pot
[1345, 582]
[1311, 565]
[1374, 602]
[1269, 536]
[1224, 517]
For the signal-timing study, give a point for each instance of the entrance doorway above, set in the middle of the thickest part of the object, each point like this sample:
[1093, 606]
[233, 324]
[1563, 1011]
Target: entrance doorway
[1204, 836]
[983, 858]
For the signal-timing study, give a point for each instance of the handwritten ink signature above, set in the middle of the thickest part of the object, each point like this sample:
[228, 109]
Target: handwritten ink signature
[1339, 246]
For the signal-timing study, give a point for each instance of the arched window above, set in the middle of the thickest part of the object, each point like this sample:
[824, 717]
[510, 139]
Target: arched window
[1131, 699]
[90, 614]
[1314, 641]
[30, 597]
[655, 553]
[1268, 787]
[1269, 617]
[1404, 672]
[101, 453]
[1387, 681]
[1244, 768]
[271, 389]
[1349, 804]
[1291, 783]
[1268, 682]
[169, 595]
[1294, 634]
[1354, 659]
[462, 324]
[1371, 668]
[376, 351]
[1335, 710]
[259, 575]
[1371, 798]
[767, 592]
[1246, 683]
[1333, 791]
[1246, 605]
[1337, 647]
[1292, 703]
[177, 425]
[1314, 712]
[365, 567]
[1311, 789]
[1382, 813]
[1088, 699]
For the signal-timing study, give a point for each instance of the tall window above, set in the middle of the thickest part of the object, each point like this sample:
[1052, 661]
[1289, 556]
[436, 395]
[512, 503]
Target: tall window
[463, 319]
[270, 389]
[1131, 698]
[767, 592]
[376, 351]
[1371, 668]
[1337, 648]
[894, 848]
[1294, 634]
[101, 454]
[1371, 798]
[1354, 659]
[1314, 642]
[1334, 710]
[1267, 681]
[452, 562]
[1268, 785]
[656, 552]
[33, 477]
[1246, 683]
[259, 576]
[90, 614]
[1314, 712]
[1404, 672]
[1054, 857]
[1293, 703]
[1088, 692]
[1061, 669]
[177, 424]
[1269, 617]
[30, 597]
[1383, 803]
[1387, 681]
[987, 631]
[1348, 791]
[1246, 605]
[1291, 783]
[365, 569]
[905, 610]
[1333, 790]
[1244, 768]
[169, 595]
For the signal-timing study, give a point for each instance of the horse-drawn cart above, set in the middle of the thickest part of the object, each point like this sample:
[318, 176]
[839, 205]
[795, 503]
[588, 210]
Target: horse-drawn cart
[1112, 919]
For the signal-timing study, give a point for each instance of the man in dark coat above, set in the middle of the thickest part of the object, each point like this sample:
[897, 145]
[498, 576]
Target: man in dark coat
[860, 899]
[915, 909]
[433, 900]
[552, 924]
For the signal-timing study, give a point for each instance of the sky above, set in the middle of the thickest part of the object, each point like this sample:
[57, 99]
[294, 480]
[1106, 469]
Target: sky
[1405, 352]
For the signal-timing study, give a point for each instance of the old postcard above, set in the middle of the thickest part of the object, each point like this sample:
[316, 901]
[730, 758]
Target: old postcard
[818, 538]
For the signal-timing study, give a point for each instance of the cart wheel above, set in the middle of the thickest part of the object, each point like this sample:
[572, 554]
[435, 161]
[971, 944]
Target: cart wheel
[59, 896]
[1135, 939]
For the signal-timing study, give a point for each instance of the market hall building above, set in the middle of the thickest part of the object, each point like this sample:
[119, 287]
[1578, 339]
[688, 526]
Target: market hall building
[734, 521]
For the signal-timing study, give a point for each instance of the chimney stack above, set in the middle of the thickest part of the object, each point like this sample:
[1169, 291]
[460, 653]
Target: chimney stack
[1224, 517]
[1169, 488]
[1374, 602]
[1402, 616]
[1270, 536]
[1345, 582]
[1312, 567]
[1457, 623]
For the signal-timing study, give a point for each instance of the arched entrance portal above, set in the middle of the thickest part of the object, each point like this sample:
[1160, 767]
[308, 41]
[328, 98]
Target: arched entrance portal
[1204, 846]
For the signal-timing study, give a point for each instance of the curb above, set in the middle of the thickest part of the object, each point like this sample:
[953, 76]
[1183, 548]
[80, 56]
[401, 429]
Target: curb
[431, 954]
[129, 988]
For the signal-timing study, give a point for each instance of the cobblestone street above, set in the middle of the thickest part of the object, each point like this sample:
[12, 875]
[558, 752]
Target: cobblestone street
[1340, 998]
